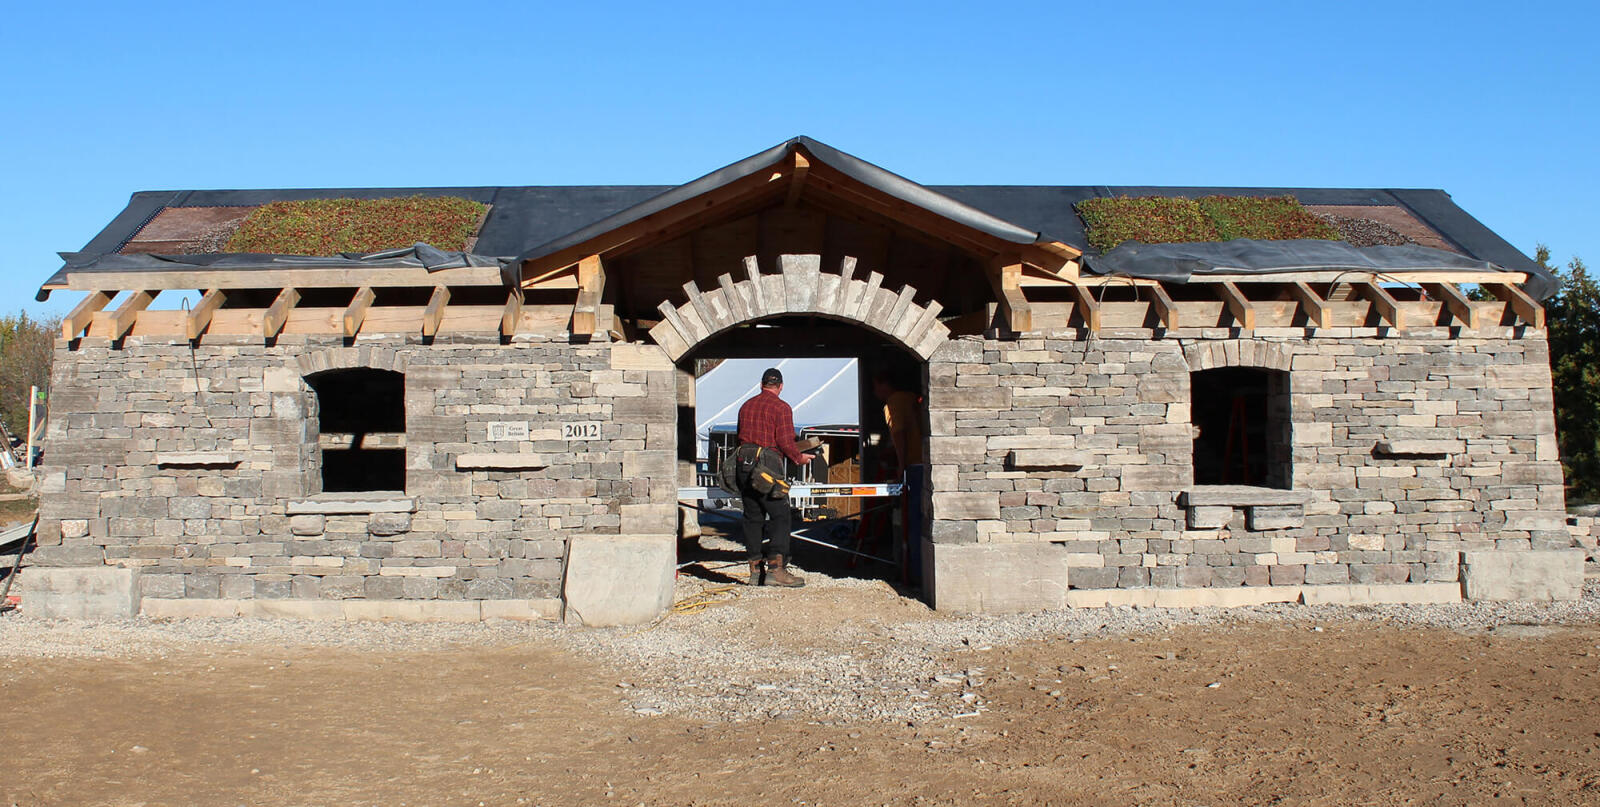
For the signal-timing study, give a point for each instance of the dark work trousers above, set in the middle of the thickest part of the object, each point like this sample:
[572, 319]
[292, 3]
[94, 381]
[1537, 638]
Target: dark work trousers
[765, 517]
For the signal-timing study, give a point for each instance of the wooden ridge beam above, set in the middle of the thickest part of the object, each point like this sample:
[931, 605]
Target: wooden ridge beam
[797, 179]
[1310, 302]
[1388, 307]
[1089, 306]
[512, 313]
[591, 285]
[1240, 306]
[200, 316]
[278, 313]
[1460, 307]
[433, 314]
[1005, 279]
[356, 313]
[1526, 308]
[83, 313]
[1166, 309]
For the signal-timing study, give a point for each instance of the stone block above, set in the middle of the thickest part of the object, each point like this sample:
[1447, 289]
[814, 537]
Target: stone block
[999, 578]
[1241, 496]
[83, 592]
[1046, 459]
[1533, 576]
[1274, 517]
[619, 579]
[307, 524]
[1210, 517]
[1400, 594]
[387, 523]
[966, 506]
[522, 610]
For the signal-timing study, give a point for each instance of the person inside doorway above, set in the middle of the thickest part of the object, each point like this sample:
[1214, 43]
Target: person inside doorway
[766, 438]
[903, 415]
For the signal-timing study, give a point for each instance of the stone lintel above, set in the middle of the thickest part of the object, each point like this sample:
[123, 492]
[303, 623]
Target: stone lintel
[196, 459]
[1241, 496]
[354, 504]
[507, 461]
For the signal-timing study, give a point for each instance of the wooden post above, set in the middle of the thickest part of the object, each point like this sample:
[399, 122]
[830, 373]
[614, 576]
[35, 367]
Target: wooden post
[1005, 277]
[591, 285]
[34, 422]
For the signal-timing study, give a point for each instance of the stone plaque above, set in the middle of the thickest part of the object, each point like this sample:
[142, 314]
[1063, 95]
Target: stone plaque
[507, 430]
[586, 430]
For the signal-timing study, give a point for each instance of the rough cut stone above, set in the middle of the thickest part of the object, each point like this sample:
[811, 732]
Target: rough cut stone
[87, 592]
[999, 578]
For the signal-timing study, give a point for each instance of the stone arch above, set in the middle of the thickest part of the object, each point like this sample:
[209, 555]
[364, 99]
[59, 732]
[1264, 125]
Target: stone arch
[800, 287]
[1238, 353]
[350, 358]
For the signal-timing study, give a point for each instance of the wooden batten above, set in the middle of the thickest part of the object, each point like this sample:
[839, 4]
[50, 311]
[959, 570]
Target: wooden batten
[591, 286]
[1526, 308]
[357, 311]
[433, 314]
[1244, 312]
[1460, 307]
[1388, 307]
[83, 313]
[1315, 308]
[278, 313]
[200, 316]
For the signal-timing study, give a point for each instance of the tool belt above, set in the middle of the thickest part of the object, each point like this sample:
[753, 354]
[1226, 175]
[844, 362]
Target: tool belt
[752, 467]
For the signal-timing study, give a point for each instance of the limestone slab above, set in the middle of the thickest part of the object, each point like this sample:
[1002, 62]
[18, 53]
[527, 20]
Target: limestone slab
[619, 579]
[999, 578]
[1047, 458]
[1241, 496]
[80, 592]
[1541, 575]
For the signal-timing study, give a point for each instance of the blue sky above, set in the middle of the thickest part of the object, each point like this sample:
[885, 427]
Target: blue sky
[1496, 103]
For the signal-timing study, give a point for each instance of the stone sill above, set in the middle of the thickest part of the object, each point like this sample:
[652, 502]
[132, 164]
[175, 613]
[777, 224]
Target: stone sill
[1241, 496]
[501, 462]
[196, 459]
[338, 504]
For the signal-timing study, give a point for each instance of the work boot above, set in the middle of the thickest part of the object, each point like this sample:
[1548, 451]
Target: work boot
[778, 574]
[755, 573]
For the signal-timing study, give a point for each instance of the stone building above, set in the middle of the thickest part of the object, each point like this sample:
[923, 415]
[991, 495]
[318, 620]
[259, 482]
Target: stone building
[499, 432]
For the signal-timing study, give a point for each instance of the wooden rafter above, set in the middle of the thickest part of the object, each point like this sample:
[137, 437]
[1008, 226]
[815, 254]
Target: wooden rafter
[1526, 308]
[278, 313]
[591, 285]
[1460, 307]
[356, 313]
[1385, 303]
[1311, 303]
[1088, 306]
[512, 313]
[83, 313]
[200, 316]
[1004, 278]
[121, 321]
[1240, 306]
[1166, 309]
[433, 314]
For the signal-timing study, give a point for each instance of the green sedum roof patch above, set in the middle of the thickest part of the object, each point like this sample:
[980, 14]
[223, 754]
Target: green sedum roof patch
[326, 227]
[1171, 220]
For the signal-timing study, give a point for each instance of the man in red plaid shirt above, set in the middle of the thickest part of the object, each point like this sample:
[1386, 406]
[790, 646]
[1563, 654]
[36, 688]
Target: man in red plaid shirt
[768, 422]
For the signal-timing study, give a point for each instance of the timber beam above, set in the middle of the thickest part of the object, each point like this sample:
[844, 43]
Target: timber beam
[1526, 308]
[512, 313]
[1166, 309]
[1385, 303]
[278, 313]
[200, 316]
[591, 285]
[433, 314]
[356, 313]
[119, 322]
[1460, 307]
[1089, 306]
[1005, 279]
[1244, 312]
[83, 313]
[1315, 308]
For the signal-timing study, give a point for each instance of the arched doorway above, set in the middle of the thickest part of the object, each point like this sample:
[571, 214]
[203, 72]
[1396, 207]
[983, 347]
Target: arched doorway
[805, 312]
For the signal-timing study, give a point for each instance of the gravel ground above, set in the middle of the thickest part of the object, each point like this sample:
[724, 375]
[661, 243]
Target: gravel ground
[841, 649]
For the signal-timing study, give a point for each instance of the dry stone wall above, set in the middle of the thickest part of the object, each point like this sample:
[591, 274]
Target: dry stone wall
[1407, 450]
[199, 468]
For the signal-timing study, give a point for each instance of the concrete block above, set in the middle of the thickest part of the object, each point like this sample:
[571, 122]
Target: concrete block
[81, 592]
[999, 578]
[619, 579]
[1537, 575]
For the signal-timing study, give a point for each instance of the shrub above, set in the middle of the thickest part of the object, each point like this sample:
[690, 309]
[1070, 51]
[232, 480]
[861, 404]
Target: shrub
[330, 226]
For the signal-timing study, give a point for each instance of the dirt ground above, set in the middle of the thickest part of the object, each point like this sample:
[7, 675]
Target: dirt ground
[1301, 709]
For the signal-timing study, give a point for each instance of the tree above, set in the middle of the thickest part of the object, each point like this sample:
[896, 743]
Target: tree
[26, 348]
[1573, 315]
